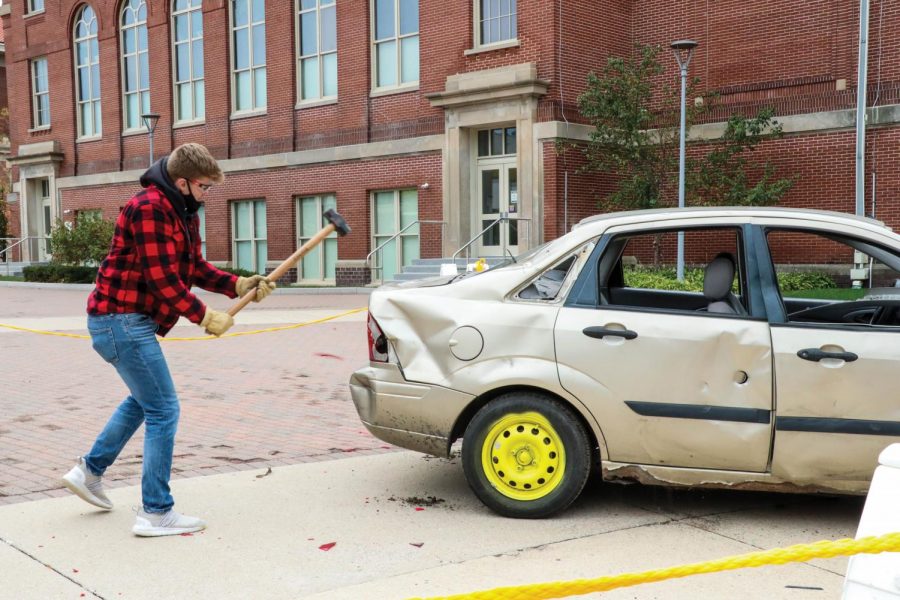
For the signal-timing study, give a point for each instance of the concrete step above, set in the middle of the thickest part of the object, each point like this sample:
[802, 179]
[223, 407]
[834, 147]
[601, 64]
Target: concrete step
[12, 268]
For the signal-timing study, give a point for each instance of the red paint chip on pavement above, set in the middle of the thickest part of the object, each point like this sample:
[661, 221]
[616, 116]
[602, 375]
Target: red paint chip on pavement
[328, 546]
[417, 544]
[419, 508]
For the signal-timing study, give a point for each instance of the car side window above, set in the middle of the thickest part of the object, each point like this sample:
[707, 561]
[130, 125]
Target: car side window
[639, 270]
[828, 279]
[548, 284]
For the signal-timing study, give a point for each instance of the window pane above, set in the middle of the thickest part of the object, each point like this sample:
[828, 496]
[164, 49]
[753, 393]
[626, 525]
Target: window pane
[513, 232]
[82, 53]
[142, 37]
[485, 9]
[98, 125]
[384, 213]
[495, 30]
[259, 214]
[244, 256]
[44, 108]
[513, 30]
[410, 246]
[259, 45]
[490, 191]
[491, 237]
[409, 209]
[242, 220]
[387, 63]
[262, 255]
[197, 58]
[331, 250]
[259, 11]
[144, 62]
[240, 12]
[311, 268]
[182, 71]
[196, 24]
[199, 100]
[409, 16]
[496, 142]
[130, 73]
[86, 119]
[483, 143]
[309, 217]
[244, 95]
[504, 28]
[185, 112]
[329, 30]
[410, 59]
[328, 202]
[131, 111]
[128, 39]
[485, 32]
[308, 44]
[259, 78]
[241, 49]
[310, 68]
[306, 4]
[329, 64]
[388, 258]
[510, 140]
[384, 19]
[84, 83]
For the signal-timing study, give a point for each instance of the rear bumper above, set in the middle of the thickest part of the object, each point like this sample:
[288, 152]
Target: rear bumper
[411, 415]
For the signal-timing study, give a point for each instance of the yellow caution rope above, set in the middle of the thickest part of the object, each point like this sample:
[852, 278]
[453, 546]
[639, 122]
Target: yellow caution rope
[195, 339]
[798, 553]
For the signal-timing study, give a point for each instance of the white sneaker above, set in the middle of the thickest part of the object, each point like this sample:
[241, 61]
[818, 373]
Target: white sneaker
[86, 485]
[167, 523]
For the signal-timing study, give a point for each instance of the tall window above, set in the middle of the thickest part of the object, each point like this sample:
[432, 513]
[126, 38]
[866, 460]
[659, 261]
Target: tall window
[248, 34]
[35, 6]
[40, 94]
[87, 74]
[391, 212]
[190, 92]
[318, 264]
[396, 42]
[135, 64]
[317, 42]
[495, 21]
[250, 249]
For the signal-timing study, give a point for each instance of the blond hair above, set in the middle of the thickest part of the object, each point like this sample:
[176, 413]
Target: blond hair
[191, 161]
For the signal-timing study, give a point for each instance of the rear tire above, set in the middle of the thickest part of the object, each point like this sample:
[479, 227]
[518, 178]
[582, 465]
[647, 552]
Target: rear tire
[526, 455]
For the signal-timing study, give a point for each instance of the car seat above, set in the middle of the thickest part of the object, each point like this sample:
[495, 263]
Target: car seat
[717, 280]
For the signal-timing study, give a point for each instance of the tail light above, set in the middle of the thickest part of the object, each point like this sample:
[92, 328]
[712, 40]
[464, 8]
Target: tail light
[378, 344]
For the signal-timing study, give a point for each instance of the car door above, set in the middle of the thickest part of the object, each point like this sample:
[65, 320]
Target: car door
[679, 386]
[837, 357]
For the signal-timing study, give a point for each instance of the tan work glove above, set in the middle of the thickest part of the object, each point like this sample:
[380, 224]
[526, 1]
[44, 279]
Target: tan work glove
[215, 322]
[263, 286]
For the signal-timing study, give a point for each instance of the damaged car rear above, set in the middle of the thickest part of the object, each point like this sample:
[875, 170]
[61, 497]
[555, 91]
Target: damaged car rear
[775, 371]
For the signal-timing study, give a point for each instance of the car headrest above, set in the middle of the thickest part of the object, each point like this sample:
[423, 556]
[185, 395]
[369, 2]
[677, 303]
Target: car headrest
[718, 277]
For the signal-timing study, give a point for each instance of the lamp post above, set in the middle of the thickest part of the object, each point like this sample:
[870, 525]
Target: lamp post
[150, 120]
[683, 49]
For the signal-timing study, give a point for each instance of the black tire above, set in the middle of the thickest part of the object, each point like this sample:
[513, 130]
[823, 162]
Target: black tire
[517, 435]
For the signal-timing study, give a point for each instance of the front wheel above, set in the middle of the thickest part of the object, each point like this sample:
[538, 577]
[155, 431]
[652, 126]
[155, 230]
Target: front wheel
[526, 455]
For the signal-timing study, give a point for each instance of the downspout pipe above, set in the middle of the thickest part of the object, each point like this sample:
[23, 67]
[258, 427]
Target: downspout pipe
[862, 83]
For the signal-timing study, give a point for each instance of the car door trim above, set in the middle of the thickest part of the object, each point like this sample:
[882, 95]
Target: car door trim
[700, 411]
[832, 425]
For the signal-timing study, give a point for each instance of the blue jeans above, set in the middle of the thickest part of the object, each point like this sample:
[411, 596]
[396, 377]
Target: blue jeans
[128, 342]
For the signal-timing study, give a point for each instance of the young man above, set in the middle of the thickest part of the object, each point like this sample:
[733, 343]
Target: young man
[143, 286]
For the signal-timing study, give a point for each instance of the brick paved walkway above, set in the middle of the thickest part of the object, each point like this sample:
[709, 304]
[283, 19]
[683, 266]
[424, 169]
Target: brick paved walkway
[247, 402]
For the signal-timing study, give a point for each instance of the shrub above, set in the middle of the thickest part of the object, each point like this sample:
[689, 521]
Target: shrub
[237, 271]
[85, 243]
[56, 273]
[664, 278]
[792, 282]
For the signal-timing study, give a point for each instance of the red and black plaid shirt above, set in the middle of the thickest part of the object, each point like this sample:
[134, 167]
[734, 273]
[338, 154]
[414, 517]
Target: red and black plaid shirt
[153, 263]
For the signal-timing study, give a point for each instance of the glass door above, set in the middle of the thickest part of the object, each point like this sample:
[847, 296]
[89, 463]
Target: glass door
[46, 224]
[498, 197]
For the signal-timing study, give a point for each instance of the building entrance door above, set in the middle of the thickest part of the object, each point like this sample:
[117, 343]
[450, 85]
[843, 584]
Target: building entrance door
[497, 193]
[46, 223]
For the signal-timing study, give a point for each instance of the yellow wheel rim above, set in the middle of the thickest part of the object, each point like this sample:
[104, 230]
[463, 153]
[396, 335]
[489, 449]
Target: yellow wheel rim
[523, 457]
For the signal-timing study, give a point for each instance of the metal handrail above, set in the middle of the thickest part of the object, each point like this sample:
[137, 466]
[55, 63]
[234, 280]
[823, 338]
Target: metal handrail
[395, 236]
[5, 252]
[503, 217]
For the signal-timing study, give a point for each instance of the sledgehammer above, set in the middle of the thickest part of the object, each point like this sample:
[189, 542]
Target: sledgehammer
[335, 223]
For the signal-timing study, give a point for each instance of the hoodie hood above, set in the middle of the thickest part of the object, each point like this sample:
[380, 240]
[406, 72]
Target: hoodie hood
[158, 175]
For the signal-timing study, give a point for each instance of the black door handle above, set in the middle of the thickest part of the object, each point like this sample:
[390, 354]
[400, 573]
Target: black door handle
[599, 332]
[815, 355]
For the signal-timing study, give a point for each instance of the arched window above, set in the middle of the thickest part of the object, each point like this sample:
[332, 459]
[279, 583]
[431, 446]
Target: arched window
[87, 73]
[187, 35]
[135, 64]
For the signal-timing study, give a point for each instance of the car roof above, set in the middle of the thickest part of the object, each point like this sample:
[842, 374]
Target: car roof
[706, 212]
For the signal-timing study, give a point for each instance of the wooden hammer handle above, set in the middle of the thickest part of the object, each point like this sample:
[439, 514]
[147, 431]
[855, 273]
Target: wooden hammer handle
[281, 269]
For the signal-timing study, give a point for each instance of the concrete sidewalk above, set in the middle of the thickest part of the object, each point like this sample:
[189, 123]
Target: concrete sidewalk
[267, 535]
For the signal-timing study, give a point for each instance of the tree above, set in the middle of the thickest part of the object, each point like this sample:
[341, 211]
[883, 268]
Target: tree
[636, 134]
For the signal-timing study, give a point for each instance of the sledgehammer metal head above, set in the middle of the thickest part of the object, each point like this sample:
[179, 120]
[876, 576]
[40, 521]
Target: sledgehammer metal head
[340, 225]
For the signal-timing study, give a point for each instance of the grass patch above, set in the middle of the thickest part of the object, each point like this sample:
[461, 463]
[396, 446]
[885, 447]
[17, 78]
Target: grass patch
[11, 278]
[845, 294]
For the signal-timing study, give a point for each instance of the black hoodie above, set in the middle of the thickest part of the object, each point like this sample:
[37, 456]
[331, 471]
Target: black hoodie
[185, 206]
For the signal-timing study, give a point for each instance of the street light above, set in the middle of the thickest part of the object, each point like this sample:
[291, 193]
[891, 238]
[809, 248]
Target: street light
[150, 120]
[683, 49]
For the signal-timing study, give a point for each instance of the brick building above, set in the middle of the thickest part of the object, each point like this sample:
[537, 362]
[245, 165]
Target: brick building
[401, 110]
